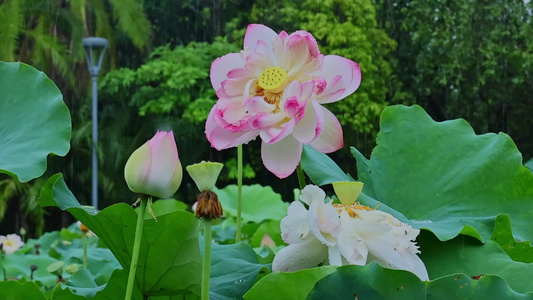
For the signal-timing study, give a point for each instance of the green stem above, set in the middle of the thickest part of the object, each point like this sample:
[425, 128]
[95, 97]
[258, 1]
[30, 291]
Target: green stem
[206, 269]
[3, 264]
[301, 176]
[136, 247]
[84, 250]
[239, 193]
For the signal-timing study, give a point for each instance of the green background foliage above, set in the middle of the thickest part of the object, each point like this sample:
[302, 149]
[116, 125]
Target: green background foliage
[457, 59]
[468, 59]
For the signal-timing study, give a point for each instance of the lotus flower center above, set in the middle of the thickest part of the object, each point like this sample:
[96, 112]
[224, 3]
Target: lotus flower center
[352, 209]
[9, 243]
[272, 78]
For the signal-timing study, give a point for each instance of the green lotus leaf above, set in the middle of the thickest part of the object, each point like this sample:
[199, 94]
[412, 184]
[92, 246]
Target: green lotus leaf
[289, 286]
[234, 269]
[258, 203]
[467, 255]
[100, 261]
[18, 265]
[35, 121]
[518, 250]
[12, 290]
[169, 259]
[81, 286]
[443, 177]
[320, 168]
[375, 282]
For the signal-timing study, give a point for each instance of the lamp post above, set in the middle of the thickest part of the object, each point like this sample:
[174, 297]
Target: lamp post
[93, 46]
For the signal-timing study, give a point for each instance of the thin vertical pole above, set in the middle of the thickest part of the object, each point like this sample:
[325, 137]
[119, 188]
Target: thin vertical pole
[95, 143]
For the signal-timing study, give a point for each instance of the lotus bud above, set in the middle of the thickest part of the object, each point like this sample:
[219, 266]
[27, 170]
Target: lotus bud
[72, 268]
[267, 241]
[347, 191]
[154, 169]
[205, 174]
[84, 228]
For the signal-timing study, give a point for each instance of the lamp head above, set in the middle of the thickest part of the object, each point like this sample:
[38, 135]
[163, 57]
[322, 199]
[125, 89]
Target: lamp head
[92, 47]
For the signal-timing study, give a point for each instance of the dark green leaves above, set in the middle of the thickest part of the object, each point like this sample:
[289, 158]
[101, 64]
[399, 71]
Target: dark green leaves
[375, 282]
[234, 269]
[12, 290]
[169, 259]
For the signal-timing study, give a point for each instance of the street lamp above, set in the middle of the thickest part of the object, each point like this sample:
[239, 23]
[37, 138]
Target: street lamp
[95, 46]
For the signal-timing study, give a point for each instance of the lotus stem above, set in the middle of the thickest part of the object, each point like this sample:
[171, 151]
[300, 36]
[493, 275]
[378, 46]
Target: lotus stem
[206, 268]
[239, 194]
[84, 234]
[301, 176]
[136, 247]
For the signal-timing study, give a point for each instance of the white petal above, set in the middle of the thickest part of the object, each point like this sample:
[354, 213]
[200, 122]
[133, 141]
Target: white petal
[309, 253]
[383, 250]
[294, 227]
[419, 267]
[311, 193]
[350, 242]
[324, 222]
[334, 256]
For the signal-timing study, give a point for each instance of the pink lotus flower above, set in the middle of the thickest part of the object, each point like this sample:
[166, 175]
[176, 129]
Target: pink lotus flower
[274, 89]
[155, 169]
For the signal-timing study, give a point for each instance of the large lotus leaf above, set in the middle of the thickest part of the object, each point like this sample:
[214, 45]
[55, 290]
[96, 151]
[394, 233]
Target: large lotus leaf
[169, 259]
[445, 178]
[369, 282]
[461, 287]
[82, 283]
[374, 282]
[467, 255]
[503, 235]
[17, 266]
[81, 287]
[234, 269]
[258, 203]
[35, 121]
[100, 261]
[289, 286]
[321, 168]
[12, 290]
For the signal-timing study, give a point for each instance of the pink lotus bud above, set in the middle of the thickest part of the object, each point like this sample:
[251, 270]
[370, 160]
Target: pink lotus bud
[267, 241]
[155, 169]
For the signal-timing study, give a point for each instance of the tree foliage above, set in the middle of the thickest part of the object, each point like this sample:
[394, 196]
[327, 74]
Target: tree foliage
[468, 59]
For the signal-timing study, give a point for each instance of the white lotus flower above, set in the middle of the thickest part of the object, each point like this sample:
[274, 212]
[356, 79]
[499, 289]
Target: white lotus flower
[11, 243]
[341, 234]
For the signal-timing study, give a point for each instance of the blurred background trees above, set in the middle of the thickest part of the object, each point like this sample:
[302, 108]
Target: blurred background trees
[458, 59]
